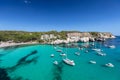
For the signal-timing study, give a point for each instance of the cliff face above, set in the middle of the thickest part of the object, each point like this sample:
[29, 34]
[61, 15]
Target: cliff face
[90, 35]
[78, 34]
[22, 36]
[105, 35]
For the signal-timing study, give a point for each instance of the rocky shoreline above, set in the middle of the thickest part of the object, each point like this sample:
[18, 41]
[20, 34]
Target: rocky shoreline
[84, 37]
[57, 39]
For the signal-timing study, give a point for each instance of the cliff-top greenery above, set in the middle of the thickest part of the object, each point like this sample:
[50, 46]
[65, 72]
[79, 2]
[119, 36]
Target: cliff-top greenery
[23, 36]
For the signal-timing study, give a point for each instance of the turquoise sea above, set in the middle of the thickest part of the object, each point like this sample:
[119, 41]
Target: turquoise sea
[35, 63]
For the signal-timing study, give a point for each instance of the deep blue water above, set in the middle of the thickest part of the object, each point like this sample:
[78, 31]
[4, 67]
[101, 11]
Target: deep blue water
[34, 62]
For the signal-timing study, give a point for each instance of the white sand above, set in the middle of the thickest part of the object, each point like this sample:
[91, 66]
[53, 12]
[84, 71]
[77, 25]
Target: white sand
[6, 44]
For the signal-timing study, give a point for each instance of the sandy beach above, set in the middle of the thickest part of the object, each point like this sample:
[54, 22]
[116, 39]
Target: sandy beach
[7, 44]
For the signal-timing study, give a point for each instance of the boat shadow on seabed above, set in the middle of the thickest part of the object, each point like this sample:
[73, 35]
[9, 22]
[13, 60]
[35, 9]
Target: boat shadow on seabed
[57, 71]
[23, 61]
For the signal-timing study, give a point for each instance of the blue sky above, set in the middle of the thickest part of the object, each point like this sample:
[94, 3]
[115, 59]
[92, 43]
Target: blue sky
[45, 15]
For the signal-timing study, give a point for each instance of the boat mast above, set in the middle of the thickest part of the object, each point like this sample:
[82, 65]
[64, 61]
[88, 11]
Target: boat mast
[66, 51]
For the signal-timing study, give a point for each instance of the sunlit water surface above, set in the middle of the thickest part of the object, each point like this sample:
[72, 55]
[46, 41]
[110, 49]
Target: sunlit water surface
[35, 63]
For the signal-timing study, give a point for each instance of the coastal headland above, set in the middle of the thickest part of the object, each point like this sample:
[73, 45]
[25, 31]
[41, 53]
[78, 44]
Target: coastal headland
[14, 38]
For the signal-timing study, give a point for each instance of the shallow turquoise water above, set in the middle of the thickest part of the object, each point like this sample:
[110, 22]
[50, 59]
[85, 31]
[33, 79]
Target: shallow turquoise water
[21, 64]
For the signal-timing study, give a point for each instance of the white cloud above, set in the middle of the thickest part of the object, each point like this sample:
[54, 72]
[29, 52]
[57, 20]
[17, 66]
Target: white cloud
[27, 1]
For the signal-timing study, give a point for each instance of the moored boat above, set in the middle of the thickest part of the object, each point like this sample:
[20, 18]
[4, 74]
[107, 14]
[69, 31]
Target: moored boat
[112, 46]
[63, 54]
[80, 48]
[77, 53]
[96, 49]
[55, 62]
[86, 51]
[101, 54]
[92, 62]
[109, 65]
[59, 50]
[69, 62]
[52, 55]
[55, 47]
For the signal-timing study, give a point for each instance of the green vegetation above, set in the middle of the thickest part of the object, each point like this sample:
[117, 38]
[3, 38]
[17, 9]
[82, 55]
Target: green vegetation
[18, 36]
[22, 36]
[94, 34]
[63, 35]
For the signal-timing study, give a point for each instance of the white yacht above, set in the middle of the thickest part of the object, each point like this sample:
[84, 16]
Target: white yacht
[63, 54]
[109, 65]
[77, 53]
[55, 62]
[69, 62]
[86, 51]
[59, 50]
[92, 62]
[112, 46]
[52, 55]
[96, 49]
[106, 45]
[80, 48]
[55, 47]
[93, 44]
[101, 54]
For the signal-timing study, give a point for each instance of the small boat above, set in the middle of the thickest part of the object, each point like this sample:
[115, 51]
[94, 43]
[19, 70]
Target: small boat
[109, 65]
[112, 46]
[86, 51]
[106, 45]
[52, 55]
[101, 54]
[92, 62]
[77, 53]
[59, 50]
[97, 50]
[63, 54]
[80, 48]
[69, 62]
[55, 62]
[55, 47]
[93, 44]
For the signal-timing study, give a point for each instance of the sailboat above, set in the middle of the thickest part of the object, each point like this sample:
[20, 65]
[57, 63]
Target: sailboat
[77, 53]
[112, 46]
[55, 62]
[96, 49]
[109, 65]
[92, 62]
[59, 49]
[63, 54]
[52, 55]
[101, 54]
[68, 61]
